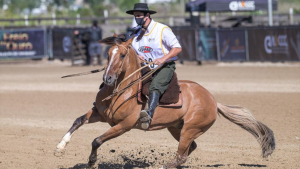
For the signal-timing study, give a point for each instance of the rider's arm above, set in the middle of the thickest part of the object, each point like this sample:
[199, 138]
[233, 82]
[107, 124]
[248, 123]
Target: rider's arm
[171, 42]
[173, 52]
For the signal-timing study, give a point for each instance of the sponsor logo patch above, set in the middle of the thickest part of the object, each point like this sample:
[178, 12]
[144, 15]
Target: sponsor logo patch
[151, 39]
[276, 44]
[242, 5]
[145, 49]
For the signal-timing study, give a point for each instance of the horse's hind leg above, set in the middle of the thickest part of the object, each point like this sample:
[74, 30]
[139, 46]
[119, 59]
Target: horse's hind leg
[186, 138]
[91, 116]
[176, 134]
[186, 145]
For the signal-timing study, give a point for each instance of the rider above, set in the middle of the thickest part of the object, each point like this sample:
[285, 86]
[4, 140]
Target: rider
[154, 42]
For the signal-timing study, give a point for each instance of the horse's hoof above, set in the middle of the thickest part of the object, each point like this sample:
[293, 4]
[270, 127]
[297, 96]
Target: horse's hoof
[91, 167]
[59, 152]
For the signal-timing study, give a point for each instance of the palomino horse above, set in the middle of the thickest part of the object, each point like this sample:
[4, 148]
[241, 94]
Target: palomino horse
[197, 114]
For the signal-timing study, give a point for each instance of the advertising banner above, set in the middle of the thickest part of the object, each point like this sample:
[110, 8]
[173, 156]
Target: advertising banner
[187, 40]
[207, 45]
[232, 46]
[229, 5]
[62, 43]
[280, 44]
[22, 43]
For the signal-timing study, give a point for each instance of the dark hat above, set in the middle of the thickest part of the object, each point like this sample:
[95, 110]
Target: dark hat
[140, 7]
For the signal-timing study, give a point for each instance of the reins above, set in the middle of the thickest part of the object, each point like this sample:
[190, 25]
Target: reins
[116, 89]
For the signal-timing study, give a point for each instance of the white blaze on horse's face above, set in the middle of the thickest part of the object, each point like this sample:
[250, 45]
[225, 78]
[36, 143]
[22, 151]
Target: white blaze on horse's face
[108, 79]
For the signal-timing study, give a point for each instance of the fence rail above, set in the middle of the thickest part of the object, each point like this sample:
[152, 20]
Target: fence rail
[66, 19]
[215, 20]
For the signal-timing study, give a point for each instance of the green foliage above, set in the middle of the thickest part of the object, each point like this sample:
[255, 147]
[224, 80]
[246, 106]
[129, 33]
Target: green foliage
[96, 8]
[126, 4]
[297, 11]
[20, 5]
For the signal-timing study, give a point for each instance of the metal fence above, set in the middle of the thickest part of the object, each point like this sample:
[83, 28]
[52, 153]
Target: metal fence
[226, 44]
[250, 44]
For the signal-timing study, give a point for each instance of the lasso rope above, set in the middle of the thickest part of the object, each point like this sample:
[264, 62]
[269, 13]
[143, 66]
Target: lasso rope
[140, 79]
[85, 73]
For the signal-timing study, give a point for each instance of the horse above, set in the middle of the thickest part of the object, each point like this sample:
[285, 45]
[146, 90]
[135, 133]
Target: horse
[122, 111]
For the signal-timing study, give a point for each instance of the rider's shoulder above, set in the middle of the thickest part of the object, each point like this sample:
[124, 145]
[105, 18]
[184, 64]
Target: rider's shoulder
[162, 26]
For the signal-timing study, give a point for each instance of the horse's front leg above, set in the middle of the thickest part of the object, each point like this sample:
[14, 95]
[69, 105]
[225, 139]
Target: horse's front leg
[91, 116]
[113, 132]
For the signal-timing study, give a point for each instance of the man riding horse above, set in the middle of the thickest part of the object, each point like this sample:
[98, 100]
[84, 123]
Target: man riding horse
[154, 42]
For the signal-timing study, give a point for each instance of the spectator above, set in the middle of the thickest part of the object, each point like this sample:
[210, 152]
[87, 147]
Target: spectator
[94, 47]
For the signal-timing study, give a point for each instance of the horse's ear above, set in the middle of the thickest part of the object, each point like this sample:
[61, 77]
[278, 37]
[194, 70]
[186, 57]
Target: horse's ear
[115, 35]
[129, 41]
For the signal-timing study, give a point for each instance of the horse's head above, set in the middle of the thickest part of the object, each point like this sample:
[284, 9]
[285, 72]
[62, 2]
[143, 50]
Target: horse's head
[118, 58]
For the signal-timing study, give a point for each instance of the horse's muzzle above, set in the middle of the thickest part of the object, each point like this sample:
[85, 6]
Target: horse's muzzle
[109, 80]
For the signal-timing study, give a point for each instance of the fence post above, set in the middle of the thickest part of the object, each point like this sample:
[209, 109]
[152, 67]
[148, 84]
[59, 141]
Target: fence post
[270, 11]
[12, 22]
[26, 20]
[67, 21]
[171, 21]
[207, 18]
[78, 19]
[218, 46]
[105, 16]
[291, 16]
[39, 22]
[247, 45]
[54, 20]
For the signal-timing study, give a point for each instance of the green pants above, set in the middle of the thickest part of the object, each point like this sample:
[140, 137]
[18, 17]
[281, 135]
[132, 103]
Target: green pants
[162, 77]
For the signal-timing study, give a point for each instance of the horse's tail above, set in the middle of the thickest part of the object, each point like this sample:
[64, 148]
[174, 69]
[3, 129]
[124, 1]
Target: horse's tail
[243, 118]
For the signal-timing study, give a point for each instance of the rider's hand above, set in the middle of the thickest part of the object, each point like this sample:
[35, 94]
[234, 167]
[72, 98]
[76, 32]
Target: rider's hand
[159, 61]
[141, 57]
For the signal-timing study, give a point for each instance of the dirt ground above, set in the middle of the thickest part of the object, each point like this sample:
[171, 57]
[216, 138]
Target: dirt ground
[37, 108]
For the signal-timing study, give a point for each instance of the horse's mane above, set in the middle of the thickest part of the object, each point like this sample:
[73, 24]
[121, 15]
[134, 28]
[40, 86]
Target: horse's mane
[113, 40]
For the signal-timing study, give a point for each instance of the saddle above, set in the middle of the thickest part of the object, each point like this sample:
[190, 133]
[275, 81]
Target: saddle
[171, 98]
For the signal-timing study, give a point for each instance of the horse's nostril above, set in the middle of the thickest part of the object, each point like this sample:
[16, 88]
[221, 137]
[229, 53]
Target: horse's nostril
[109, 79]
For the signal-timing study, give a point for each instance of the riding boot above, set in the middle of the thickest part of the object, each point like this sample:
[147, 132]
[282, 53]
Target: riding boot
[146, 115]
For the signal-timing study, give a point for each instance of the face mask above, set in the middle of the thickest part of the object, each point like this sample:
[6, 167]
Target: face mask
[140, 21]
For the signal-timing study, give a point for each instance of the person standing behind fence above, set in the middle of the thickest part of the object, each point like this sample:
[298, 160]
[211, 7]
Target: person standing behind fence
[94, 47]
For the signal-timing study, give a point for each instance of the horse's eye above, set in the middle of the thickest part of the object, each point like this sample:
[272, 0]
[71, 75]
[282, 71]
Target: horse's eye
[122, 56]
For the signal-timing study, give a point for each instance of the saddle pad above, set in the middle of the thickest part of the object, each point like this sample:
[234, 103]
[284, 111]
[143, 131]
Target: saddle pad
[172, 96]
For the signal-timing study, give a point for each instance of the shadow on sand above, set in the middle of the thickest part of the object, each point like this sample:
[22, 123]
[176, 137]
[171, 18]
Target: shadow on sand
[129, 164]
[140, 163]
[252, 165]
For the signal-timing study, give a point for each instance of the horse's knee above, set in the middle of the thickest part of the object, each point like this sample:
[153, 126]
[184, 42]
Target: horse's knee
[77, 123]
[80, 120]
